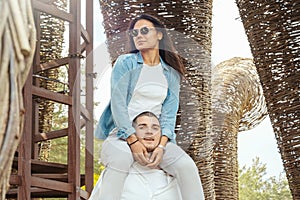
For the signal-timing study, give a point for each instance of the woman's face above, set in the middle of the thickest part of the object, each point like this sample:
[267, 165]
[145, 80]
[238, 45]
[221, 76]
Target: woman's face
[146, 36]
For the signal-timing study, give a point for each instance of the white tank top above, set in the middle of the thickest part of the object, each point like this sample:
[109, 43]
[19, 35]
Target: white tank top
[150, 91]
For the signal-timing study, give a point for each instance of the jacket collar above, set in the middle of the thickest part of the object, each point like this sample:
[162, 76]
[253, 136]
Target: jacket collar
[141, 61]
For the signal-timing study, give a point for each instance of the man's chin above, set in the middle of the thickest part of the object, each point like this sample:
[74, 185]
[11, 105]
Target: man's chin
[150, 148]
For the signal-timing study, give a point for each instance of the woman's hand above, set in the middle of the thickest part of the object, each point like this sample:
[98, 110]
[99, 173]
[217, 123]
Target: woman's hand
[156, 157]
[140, 153]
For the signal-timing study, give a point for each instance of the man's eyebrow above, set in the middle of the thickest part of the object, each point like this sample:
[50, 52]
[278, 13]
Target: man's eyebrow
[142, 124]
[156, 125]
[145, 124]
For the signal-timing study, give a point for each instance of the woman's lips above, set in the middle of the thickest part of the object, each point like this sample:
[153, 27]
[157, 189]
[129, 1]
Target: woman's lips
[140, 42]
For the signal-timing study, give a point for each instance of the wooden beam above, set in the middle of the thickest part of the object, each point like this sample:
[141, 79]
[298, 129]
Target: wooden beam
[53, 64]
[82, 123]
[51, 135]
[51, 184]
[85, 35]
[35, 104]
[82, 47]
[74, 110]
[52, 10]
[39, 166]
[37, 193]
[89, 140]
[15, 180]
[25, 146]
[85, 113]
[84, 194]
[57, 97]
[46, 193]
[59, 177]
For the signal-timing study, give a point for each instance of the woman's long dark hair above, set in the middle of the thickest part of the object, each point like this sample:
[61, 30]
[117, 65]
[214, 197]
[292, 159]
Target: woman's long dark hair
[166, 48]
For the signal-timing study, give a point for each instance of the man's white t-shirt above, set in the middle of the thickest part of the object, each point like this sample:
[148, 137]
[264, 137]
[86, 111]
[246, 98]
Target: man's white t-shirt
[149, 184]
[150, 91]
[143, 183]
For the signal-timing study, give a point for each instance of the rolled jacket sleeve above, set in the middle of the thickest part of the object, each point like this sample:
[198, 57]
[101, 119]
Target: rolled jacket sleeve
[170, 106]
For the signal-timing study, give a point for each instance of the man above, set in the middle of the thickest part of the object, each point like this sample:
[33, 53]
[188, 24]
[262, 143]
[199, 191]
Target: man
[143, 182]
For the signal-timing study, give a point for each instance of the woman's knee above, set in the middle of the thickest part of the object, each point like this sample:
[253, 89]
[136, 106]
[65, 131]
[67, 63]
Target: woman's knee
[176, 160]
[121, 163]
[185, 163]
[114, 156]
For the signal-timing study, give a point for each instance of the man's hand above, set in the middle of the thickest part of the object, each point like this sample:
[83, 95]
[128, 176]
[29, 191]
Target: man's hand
[158, 153]
[156, 157]
[140, 153]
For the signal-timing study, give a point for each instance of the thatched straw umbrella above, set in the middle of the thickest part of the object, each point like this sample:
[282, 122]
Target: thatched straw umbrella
[273, 32]
[17, 45]
[238, 105]
[190, 26]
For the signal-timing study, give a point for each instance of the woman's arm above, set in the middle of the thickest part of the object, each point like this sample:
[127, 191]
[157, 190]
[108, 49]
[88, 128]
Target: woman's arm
[170, 107]
[120, 86]
[120, 81]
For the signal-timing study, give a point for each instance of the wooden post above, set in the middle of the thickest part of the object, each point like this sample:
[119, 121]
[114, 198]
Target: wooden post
[74, 112]
[89, 151]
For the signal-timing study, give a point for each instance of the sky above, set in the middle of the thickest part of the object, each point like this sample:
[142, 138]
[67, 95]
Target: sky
[228, 40]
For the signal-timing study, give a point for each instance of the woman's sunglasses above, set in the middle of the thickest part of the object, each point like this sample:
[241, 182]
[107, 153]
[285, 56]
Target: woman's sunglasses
[135, 32]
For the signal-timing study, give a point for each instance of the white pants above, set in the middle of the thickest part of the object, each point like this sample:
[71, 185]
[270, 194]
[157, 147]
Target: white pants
[117, 158]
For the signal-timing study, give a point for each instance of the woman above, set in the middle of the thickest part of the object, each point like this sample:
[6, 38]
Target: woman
[146, 79]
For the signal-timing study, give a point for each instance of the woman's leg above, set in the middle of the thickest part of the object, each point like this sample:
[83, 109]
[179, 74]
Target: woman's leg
[177, 163]
[117, 158]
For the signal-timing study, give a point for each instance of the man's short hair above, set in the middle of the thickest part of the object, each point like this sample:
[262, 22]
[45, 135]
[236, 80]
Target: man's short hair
[146, 113]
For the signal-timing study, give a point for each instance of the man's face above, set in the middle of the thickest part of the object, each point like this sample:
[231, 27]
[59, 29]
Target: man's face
[148, 131]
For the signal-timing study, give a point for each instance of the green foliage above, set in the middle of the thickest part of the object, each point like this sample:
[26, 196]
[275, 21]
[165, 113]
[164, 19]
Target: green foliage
[58, 149]
[253, 185]
[98, 167]
[97, 174]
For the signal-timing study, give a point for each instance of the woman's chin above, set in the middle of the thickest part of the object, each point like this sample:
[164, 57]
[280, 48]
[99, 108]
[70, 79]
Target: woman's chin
[141, 48]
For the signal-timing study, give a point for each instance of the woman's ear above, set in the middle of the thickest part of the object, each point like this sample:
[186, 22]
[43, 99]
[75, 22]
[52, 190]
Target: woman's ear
[160, 35]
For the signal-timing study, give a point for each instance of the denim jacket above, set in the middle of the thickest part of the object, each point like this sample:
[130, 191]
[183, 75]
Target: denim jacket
[124, 77]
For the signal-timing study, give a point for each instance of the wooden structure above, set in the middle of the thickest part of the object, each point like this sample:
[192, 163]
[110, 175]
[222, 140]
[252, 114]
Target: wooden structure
[31, 176]
[189, 24]
[273, 32]
[17, 47]
[238, 105]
